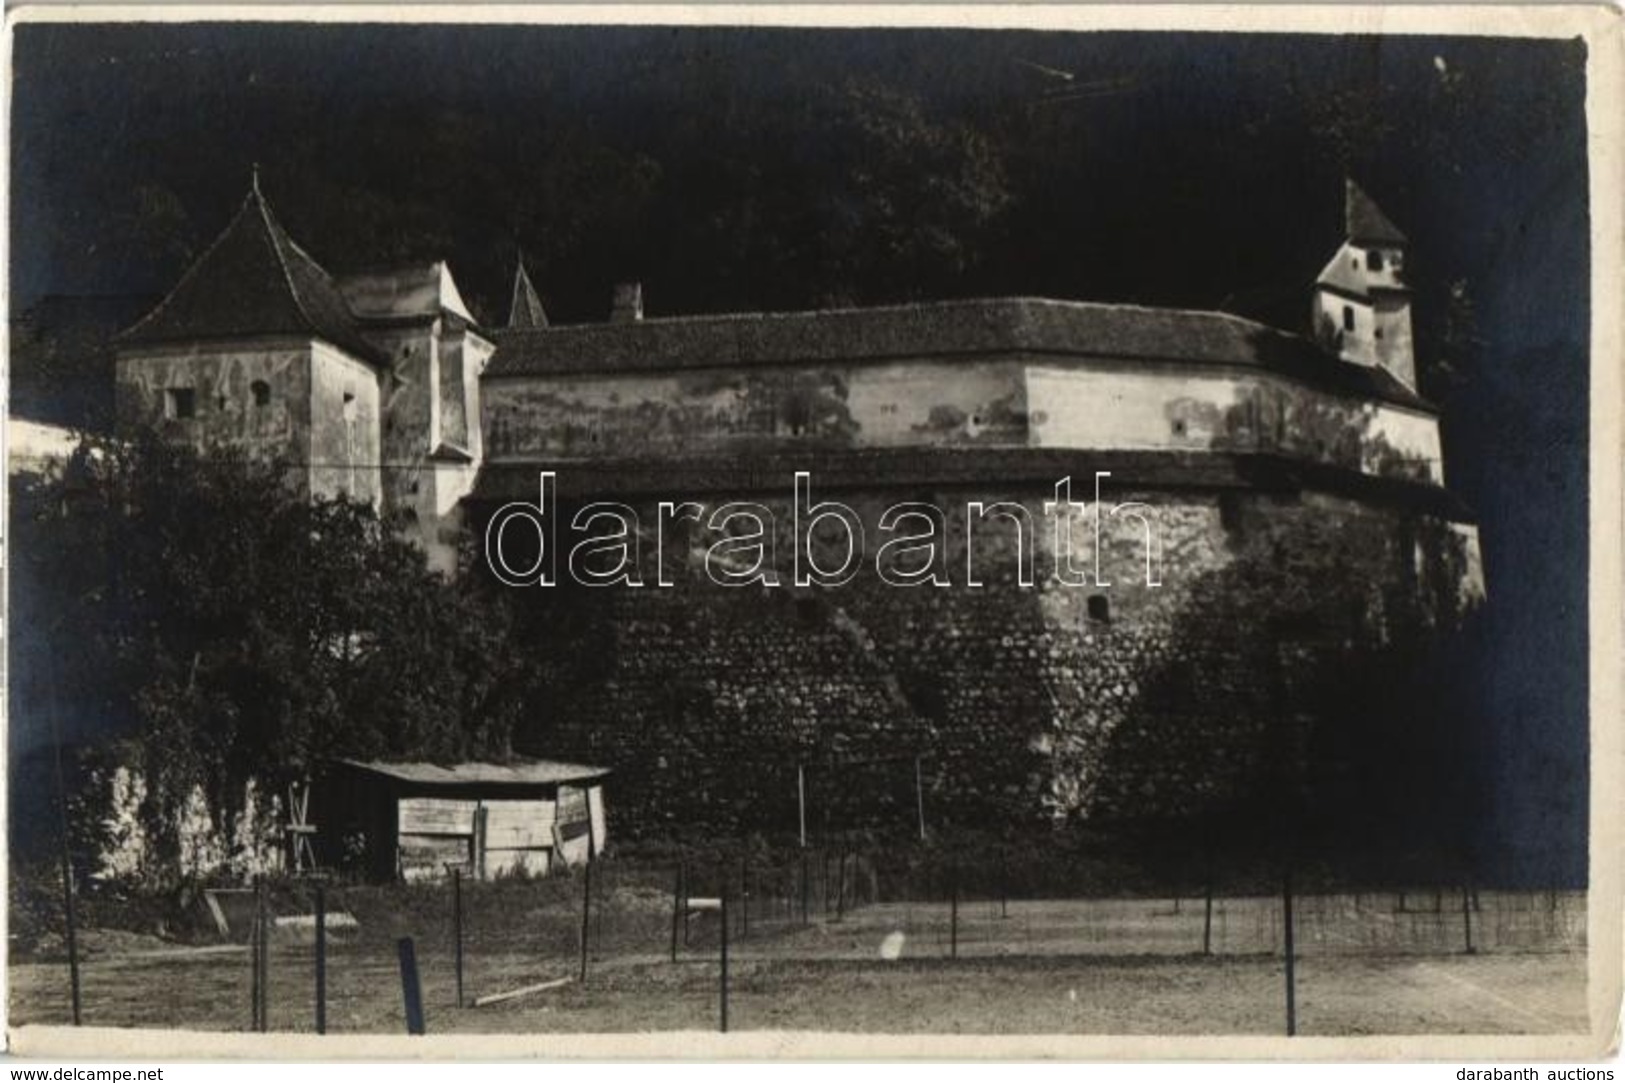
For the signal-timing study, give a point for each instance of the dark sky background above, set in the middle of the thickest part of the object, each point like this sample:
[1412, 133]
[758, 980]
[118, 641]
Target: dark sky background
[746, 169]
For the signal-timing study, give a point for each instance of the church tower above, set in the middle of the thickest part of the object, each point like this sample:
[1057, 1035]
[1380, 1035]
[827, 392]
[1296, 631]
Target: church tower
[1362, 305]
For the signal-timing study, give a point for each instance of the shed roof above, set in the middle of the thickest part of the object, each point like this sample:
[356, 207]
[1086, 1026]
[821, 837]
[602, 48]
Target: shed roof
[253, 280]
[522, 773]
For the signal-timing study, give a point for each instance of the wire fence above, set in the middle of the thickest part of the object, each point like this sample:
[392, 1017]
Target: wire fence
[676, 934]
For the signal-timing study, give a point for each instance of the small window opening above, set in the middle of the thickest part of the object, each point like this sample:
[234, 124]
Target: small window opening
[1374, 261]
[1355, 261]
[180, 403]
[1100, 609]
[1377, 332]
[349, 406]
[1179, 426]
[261, 392]
[1348, 317]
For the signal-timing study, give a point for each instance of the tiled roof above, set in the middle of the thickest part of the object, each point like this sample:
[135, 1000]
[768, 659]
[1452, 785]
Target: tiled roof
[524, 773]
[253, 280]
[1365, 222]
[971, 329]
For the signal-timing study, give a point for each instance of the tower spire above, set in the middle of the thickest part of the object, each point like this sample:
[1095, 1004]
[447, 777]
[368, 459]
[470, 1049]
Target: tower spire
[1362, 307]
[526, 309]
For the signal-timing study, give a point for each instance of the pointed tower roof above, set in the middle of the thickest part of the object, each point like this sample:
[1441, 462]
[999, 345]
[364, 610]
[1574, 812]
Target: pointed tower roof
[1365, 222]
[253, 280]
[526, 310]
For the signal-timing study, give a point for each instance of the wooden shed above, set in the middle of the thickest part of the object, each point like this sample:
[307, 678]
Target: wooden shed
[413, 821]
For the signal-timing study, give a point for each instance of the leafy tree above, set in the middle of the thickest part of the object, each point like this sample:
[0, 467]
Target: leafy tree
[243, 631]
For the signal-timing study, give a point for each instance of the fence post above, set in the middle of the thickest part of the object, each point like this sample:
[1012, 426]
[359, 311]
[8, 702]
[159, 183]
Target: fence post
[265, 956]
[744, 897]
[676, 908]
[71, 917]
[806, 888]
[953, 911]
[411, 992]
[254, 962]
[480, 837]
[259, 952]
[1291, 992]
[801, 802]
[457, 929]
[1207, 915]
[1467, 918]
[919, 796]
[723, 949]
[321, 962]
[586, 914]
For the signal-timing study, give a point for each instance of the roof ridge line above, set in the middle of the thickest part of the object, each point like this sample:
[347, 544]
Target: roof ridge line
[275, 232]
[189, 273]
[849, 310]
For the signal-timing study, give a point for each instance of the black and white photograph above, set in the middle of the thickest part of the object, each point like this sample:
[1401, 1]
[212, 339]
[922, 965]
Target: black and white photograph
[894, 530]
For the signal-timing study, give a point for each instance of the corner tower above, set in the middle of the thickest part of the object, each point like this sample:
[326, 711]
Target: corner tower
[1362, 305]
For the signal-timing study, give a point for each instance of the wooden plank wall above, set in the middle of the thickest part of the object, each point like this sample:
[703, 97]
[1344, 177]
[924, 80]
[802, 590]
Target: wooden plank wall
[528, 835]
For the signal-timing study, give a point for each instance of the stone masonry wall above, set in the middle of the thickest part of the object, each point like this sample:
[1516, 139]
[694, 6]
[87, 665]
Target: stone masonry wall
[1025, 702]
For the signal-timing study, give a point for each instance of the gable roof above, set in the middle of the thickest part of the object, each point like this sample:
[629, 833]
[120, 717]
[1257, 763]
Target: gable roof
[943, 329]
[526, 309]
[253, 280]
[1364, 221]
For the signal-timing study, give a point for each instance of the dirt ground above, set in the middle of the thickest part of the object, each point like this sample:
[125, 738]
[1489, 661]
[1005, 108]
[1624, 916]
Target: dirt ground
[1070, 967]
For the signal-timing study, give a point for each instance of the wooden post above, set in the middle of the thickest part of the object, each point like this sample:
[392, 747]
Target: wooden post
[586, 886]
[71, 918]
[254, 963]
[411, 992]
[265, 958]
[953, 912]
[724, 958]
[744, 897]
[801, 801]
[676, 909]
[919, 795]
[1207, 916]
[806, 889]
[457, 929]
[1291, 991]
[1467, 918]
[586, 914]
[259, 954]
[321, 962]
[480, 814]
[70, 910]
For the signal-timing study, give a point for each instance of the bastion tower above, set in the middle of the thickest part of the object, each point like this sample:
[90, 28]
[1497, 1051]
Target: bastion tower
[1271, 506]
